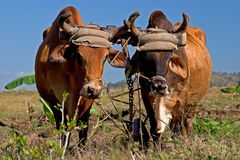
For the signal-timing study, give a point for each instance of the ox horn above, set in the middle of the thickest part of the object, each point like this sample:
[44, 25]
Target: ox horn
[128, 24]
[184, 23]
[67, 28]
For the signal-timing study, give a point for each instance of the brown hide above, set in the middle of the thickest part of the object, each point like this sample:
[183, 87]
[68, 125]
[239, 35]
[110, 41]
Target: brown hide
[52, 79]
[199, 64]
[84, 66]
[197, 84]
[187, 73]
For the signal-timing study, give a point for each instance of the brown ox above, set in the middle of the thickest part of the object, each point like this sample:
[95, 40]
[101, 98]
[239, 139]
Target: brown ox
[175, 72]
[71, 58]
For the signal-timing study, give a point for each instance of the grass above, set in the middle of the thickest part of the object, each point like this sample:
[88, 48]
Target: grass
[217, 128]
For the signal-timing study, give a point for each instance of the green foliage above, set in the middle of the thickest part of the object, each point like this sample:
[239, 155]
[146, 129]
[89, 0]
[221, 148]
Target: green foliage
[107, 128]
[18, 148]
[95, 111]
[213, 127]
[29, 80]
[48, 111]
[72, 123]
[229, 90]
[65, 95]
[233, 90]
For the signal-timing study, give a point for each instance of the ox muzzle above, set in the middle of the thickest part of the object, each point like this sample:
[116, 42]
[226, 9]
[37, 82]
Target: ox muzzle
[158, 86]
[93, 89]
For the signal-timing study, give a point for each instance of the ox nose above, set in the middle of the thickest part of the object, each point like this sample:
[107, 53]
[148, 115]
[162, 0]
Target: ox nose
[159, 85]
[92, 89]
[93, 92]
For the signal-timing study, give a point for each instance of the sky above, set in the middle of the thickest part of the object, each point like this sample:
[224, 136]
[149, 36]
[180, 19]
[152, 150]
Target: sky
[23, 21]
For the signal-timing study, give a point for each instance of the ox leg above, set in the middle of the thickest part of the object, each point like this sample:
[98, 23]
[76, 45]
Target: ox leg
[83, 123]
[153, 123]
[57, 115]
[189, 119]
[182, 120]
[151, 114]
[176, 123]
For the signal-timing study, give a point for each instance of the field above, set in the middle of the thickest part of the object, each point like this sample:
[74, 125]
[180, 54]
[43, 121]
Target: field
[216, 131]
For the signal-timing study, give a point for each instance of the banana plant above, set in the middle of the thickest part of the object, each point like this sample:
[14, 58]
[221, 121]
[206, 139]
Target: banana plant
[28, 80]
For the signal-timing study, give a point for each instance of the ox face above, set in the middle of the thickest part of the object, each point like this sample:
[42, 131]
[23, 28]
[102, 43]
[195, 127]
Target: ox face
[88, 64]
[84, 50]
[163, 69]
[154, 66]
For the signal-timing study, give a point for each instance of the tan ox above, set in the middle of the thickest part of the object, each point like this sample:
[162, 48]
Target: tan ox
[175, 72]
[71, 58]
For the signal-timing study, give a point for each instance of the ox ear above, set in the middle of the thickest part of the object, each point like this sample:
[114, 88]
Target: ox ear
[178, 66]
[58, 54]
[117, 59]
[45, 32]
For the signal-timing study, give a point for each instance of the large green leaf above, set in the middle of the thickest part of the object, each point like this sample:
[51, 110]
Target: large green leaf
[47, 110]
[28, 79]
[229, 90]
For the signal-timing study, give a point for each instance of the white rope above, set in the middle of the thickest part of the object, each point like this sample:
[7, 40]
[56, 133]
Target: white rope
[119, 51]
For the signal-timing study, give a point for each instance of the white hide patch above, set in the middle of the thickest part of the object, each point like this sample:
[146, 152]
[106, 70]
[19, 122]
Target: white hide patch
[161, 113]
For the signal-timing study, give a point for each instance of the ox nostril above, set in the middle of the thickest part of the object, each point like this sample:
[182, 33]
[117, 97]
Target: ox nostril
[159, 87]
[163, 86]
[155, 87]
[90, 90]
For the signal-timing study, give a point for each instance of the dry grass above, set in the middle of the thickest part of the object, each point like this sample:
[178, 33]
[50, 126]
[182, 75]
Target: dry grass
[220, 106]
[17, 102]
[224, 144]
